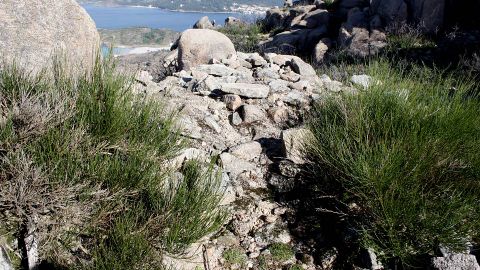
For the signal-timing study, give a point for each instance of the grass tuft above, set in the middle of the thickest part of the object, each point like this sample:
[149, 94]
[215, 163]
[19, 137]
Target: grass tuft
[406, 152]
[82, 164]
[281, 252]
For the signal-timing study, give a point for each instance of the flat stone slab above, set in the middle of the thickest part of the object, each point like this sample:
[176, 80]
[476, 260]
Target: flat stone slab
[248, 90]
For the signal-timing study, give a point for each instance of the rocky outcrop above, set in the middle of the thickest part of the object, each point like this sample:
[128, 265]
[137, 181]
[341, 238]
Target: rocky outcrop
[200, 46]
[203, 23]
[240, 108]
[429, 15]
[361, 35]
[311, 28]
[33, 32]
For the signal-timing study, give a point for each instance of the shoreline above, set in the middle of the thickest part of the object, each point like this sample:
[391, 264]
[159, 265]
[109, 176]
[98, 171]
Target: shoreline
[178, 10]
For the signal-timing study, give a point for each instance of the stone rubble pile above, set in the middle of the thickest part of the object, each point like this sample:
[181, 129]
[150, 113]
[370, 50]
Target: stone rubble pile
[245, 109]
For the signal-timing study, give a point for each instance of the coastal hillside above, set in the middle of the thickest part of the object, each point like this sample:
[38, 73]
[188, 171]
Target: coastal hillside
[138, 37]
[193, 5]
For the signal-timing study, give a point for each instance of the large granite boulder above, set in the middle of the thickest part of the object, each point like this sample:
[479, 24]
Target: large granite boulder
[34, 32]
[203, 23]
[429, 15]
[200, 46]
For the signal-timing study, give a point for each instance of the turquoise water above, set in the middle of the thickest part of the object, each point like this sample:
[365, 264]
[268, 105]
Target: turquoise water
[108, 17]
[115, 50]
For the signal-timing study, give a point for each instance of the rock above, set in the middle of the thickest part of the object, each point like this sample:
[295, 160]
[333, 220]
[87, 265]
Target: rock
[5, 263]
[300, 85]
[247, 151]
[218, 70]
[296, 98]
[278, 114]
[251, 114]
[348, 4]
[235, 166]
[288, 3]
[279, 59]
[267, 74]
[235, 119]
[456, 262]
[328, 258]
[232, 21]
[288, 168]
[33, 31]
[279, 86]
[290, 76]
[373, 262]
[246, 89]
[256, 60]
[356, 38]
[199, 46]
[429, 14]
[228, 240]
[391, 11]
[294, 40]
[186, 155]
[320, 50]
[362, 80]
[210, 121]
[203, 23]
[333, 86]
[316, 18]
[302, 68]
[232, 102]
[293, 140]
[275, 18]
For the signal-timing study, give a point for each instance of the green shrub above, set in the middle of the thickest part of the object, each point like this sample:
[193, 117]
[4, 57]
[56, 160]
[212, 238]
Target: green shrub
[406, 152]
[280, 251]
[235, 256]
[82, 160]
[245, 37]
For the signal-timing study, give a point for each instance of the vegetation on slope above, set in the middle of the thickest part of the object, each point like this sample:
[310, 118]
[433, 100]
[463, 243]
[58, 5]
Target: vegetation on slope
[245, 37]
[401, 158]
[83, 170]
[138, 37]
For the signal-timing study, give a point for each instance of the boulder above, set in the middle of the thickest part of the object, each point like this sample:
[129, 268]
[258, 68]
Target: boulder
[200, 46]
[455, 262]
[232, 21]
[391, 11]
[232, 102]
[251, 114]
[203, 23]
[362, 80]
[275, 18]
[247, 151]
[34, 31]
[5, 263]
[429, 14]
[247, 90]
[316, 18]
[320, 50]
[302, 68]
[293, 141]
[357, 39]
